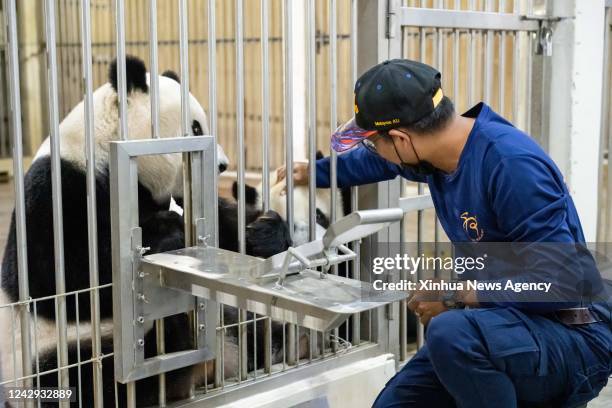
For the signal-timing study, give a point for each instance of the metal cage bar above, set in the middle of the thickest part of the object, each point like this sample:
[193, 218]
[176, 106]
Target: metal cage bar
[92, 225]
[18, 175]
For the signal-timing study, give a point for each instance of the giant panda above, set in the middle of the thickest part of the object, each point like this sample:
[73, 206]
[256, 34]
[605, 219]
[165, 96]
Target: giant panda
[162, 230]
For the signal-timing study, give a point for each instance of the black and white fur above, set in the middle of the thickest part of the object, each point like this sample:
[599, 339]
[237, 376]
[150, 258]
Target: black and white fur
[278, 203]
[160, 178]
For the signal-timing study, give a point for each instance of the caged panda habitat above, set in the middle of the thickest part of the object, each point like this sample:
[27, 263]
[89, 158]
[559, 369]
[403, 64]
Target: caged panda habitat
[144, 225]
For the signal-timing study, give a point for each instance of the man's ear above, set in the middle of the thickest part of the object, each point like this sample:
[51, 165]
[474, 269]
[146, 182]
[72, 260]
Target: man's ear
[400, 137]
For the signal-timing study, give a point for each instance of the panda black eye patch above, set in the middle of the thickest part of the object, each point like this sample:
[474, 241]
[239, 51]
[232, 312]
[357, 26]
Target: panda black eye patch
[196, 128]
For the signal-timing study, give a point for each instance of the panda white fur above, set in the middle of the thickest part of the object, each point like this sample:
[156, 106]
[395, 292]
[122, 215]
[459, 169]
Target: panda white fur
[160, 178]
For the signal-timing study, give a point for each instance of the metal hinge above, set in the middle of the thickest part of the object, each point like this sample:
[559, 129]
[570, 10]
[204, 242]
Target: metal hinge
[391, 18]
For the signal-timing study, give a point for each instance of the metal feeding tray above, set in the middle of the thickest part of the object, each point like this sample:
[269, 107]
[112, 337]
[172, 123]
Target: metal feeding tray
[306, 298]
[284, 286]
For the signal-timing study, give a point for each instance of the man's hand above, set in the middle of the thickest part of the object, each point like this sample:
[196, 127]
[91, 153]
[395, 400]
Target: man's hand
[426, 304]
[300, 173]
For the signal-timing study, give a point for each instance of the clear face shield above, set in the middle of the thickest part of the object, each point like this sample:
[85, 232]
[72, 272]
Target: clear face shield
[349, 135]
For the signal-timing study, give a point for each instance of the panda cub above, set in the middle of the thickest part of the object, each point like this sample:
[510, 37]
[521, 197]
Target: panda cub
[278, 203]
[159, 179]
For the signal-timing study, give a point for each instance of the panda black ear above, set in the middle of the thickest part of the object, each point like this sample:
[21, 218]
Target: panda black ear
[319, 155]
[136, 74]
[249, 192]
[172, 75]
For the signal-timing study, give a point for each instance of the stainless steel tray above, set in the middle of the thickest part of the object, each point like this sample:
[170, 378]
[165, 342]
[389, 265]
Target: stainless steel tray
[305, 298]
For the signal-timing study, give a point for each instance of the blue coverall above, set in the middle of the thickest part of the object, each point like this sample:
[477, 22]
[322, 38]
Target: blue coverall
[504, 354]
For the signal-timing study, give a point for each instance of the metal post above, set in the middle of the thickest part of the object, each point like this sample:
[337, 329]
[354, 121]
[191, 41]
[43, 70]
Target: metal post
[265, 105]
[56, 187]
[20, 221]
[154, 69]
[242, 343]
[288, 112]
[212, 103]
[121, 70]
[92, 226]
[488, 59]
[333, 120]
[355, 190]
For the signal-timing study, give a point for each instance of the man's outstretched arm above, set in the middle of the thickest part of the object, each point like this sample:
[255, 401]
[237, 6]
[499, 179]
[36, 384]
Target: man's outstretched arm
[360, 166]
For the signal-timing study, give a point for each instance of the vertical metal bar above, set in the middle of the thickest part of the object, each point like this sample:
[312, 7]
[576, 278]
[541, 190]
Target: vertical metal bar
[355, 190]
[529, 81]
[312, 117]
[242, 333]
[419, 328]
[131, 394]
[78, 339]
[155, 133]
[311, 26]
[502, 73]
[488, 59]
[265, 105]
[333, 120]
[160, 338]
[240, 124]
[212, 101]
[288, 112]
[184, 57]
[403, 312]
[121, 69]
[471, 64]
[36, 353]
[333, 91]
[3, 130]
[608, 123]
[56, 187]
[456, 62]
[288, 107]
[154, 69]
[515, 69]
[20, 221]
[92, 226]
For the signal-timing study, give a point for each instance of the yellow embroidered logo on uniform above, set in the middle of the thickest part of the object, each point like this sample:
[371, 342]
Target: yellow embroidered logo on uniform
[470, 226]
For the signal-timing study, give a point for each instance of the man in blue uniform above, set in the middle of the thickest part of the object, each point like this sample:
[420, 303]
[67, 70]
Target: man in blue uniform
[489, 182]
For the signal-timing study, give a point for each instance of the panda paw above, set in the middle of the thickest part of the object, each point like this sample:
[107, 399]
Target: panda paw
[268, 235]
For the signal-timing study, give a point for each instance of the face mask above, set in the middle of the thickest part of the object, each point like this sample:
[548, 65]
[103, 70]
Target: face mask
[422, 167]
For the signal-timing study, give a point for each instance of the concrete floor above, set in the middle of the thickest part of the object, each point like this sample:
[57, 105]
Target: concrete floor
[6, 207]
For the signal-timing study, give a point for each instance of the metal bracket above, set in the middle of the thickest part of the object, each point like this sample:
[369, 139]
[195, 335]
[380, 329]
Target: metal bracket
[391, 19]
[546, 25]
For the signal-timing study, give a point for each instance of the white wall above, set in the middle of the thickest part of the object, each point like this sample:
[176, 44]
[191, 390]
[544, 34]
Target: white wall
[576, 97]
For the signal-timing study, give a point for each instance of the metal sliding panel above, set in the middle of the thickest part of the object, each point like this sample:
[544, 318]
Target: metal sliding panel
[130, 303]
[20, 221]
[56, 187]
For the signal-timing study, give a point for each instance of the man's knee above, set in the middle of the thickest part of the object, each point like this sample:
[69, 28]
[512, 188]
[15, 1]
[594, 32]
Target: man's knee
[446, 331]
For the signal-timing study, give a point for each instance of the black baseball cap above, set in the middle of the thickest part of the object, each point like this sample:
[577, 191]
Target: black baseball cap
[394, 93]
